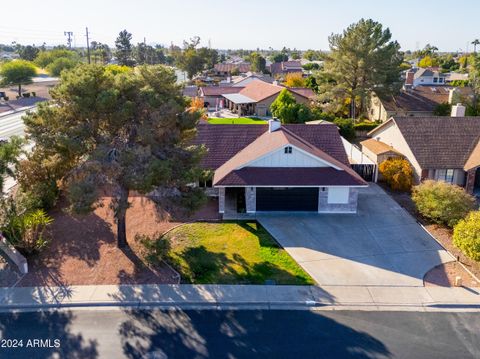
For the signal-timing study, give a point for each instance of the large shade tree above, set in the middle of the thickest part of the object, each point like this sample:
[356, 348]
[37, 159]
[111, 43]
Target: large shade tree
[18, 72]
[121, 132]
[362, 60]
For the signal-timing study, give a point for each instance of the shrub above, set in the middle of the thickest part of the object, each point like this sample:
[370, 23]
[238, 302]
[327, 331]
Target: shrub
[398, 173]
[442, 202]
[466, 235]
[58, 65]
[365, 126]
[345, 127]
[154, 249]
[24, 230]
[443, 109]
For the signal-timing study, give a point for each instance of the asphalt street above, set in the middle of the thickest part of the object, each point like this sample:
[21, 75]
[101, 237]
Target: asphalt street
[124, 333]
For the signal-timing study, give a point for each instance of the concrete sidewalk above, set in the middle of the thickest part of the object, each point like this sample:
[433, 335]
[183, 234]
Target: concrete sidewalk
[386, 298]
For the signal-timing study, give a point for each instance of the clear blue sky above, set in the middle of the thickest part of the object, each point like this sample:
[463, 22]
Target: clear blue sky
[300, 24]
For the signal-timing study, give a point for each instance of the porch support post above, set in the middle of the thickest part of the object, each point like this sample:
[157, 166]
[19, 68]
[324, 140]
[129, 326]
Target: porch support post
[251, 199]
[221, 200]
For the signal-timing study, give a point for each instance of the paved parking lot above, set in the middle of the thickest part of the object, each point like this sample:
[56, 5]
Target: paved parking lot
[380, 245]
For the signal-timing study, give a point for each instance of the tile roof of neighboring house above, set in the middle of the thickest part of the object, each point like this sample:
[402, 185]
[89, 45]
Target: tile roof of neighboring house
[269, 142]
[259, 90]
[303, 91]
[286, 66]
[419, 99]
[439, 142]
[242, 67]
[225, 141]
[190, 91]
[219, 90]
[378, 147]
[290, 176]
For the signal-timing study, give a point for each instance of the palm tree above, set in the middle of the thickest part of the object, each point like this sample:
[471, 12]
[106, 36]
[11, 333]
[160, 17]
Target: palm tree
[475, 43]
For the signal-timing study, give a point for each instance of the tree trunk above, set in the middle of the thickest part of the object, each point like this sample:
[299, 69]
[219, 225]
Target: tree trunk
[121, 219]
[352, 108]
[19, 89]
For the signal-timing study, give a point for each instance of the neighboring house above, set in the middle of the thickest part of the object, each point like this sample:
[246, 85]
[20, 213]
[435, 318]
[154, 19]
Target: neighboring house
[241, 81]
[455, 76]
[439, 148]
[424, 76]
[279, 69]
[257, 97]
[418, 101]
[226, 69]
[213, 95]
[263, 168]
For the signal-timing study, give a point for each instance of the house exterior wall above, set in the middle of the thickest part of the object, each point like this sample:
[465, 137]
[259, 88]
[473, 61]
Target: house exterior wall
[470, 180]
[391, 135]
[325, 207]
[458, 175]
[281, 159]
[263, 107]
[429, 80]
[221, 200]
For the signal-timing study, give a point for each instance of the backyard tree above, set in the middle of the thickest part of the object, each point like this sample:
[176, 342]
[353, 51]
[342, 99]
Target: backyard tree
[362, 60]
[286, 108]
[294, 79]
[442, 202]
[18, 72]
[257, 62]
[124, 48]
[466, 235]
[398, 173]
[122, 132]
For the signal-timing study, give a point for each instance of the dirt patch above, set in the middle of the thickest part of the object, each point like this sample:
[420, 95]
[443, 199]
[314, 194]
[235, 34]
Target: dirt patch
[41, 90]
[445, 275]
[83, 250]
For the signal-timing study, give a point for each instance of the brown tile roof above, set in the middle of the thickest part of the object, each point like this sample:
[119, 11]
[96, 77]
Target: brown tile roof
[281, 176]
[303, 91]
[219, 90]
[259, 90]
[418, 99]
[225, 141]
[242, 68]
[277, 68]
[378, 147]
[440, 142]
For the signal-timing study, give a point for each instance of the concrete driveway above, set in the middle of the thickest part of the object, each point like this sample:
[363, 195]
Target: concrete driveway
[381, 245]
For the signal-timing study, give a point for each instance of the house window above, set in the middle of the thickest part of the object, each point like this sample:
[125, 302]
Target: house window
[205, 183]
[435, 80]
[445, 175]
[288, 149]
[440, 79]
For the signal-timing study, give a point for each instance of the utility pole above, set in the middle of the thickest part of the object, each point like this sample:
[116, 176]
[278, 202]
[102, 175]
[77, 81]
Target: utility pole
[69, 35]
[88, 45]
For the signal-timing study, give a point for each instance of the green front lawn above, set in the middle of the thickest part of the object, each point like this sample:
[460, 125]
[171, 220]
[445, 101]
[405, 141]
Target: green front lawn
[236, 121]
[231, 253]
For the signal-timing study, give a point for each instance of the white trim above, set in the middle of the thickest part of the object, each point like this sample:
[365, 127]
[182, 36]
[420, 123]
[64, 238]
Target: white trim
[297, 148]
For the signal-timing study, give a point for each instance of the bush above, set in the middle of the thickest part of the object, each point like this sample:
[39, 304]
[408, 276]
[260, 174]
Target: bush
[398, 173]
[60, 64]
[365, 126]
[466, 235]
[24, 229]
[345, 127]
[442, 202]
[443, 109]
[155, 249]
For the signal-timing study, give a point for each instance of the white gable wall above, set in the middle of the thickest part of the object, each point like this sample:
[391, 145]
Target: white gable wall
[279, 158]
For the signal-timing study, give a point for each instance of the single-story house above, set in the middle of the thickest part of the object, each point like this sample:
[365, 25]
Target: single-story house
[439, 148]
[274, 167]
[213, 95]
[226, 69]
[279, 69]
[257, 97]
[425, 76]
[419, 101]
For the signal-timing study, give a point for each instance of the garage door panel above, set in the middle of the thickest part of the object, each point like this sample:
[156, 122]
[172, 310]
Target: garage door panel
[287, 199]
